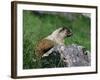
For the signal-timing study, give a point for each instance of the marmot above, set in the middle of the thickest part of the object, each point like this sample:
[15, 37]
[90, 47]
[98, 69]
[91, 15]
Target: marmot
[55, 38]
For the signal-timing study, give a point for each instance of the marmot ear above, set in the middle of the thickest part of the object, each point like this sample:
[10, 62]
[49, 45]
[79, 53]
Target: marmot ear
[64, 28]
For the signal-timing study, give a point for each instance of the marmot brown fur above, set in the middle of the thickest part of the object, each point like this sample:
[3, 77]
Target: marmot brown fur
[56, 38]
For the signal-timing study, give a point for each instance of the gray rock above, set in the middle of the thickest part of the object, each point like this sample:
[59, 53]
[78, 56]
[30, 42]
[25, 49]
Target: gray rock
[72, 55]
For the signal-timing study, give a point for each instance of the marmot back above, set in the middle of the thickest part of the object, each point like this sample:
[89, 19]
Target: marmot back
[43, 46]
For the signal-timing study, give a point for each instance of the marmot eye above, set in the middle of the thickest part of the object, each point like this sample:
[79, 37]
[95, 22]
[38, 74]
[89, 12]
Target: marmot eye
[68, 31]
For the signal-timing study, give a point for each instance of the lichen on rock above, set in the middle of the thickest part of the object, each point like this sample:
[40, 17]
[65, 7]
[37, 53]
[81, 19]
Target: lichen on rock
[67, 56]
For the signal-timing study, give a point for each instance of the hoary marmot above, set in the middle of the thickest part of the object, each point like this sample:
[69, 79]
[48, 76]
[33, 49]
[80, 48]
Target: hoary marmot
[55, 38]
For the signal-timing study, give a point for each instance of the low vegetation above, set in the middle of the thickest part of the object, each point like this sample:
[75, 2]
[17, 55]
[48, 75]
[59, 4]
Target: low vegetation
[39, 25]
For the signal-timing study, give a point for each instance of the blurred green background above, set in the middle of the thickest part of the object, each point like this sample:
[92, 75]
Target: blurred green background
[37, 25]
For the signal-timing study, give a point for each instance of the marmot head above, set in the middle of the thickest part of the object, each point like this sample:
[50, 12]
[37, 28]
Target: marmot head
[63, 32]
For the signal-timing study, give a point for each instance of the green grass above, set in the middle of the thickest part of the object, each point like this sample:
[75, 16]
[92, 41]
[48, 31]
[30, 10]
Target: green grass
[36, 27]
